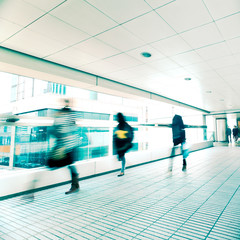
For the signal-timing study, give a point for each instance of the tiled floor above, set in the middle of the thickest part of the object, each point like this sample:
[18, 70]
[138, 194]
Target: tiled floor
[147, 203]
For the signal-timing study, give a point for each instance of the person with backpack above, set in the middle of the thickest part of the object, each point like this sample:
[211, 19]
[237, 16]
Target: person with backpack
[122, 140]
[235, 132]
[64, 152]
[179, 137]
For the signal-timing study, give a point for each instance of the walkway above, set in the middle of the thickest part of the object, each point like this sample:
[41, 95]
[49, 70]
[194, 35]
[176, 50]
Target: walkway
[147, 203]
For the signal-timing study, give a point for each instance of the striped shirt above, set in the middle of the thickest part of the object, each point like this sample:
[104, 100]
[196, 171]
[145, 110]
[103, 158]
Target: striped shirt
[66, 130]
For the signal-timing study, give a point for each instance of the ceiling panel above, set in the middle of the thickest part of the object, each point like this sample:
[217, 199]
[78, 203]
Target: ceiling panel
[214, 51]
[33, 43]
[121, 11]
[202, 36]
[158, 3]
[71, 57]
[187, 58]
[103, 66]
[121, 39]
[96, 48]
[233, 77]
[124, 61]
[185, 14]
[179, 74]
[229, 70]
[206, 76]
[198, 68]
[229, 26]
[172, 46]
[45, 5]
[234, 45]
[122, 75]
[8, 29]
[13, 10]
[237, 57]
[164, 64]
[149, 27]
[143, 70]
[83, 16]
[57, 30]
[222, 62]
[222, 8]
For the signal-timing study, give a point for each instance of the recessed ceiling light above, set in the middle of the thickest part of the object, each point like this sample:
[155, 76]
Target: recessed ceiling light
[146, 54]
[187, 79]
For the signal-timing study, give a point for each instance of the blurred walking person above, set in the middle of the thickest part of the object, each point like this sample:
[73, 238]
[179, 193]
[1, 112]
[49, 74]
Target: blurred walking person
[64, 152]
[235, 133]
[122, 140]
[229, 135]
[178, 136]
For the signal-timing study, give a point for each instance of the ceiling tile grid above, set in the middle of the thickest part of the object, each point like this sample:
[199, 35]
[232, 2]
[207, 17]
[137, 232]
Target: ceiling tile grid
[149, 27]
[172, 46]
[97, 48]
[198, 39]
[71, 57]
[33, 43]
[158, 3]
[121, 39]
[8, 29]
[202, 36]
[19, 12]
[222, 8]
[83, 16]
[58, 30]
[185, 14]
[229, 26]
[121, 11]
[45, 5]
[214, 51]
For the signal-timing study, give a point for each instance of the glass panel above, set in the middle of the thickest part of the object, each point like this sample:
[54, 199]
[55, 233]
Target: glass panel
[99, 142]
[5, 143]
[31, 146]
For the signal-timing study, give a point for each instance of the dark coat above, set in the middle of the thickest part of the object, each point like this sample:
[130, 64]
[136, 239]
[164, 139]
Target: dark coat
[122, 138]
[178, 132]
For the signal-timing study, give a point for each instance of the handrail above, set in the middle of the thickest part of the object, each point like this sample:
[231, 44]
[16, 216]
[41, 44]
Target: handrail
[48, 121]
[170, 125]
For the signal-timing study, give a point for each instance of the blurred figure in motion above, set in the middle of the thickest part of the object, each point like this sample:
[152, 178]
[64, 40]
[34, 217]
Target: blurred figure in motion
[122, 140]
[178, 135]
[235, 133]
[64, 152]
[229, 134]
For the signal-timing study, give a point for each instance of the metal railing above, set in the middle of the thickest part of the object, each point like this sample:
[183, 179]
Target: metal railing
[25, 141]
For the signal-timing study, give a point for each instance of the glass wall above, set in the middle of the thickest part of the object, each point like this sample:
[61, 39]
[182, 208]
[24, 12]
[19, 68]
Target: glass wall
[33, 143]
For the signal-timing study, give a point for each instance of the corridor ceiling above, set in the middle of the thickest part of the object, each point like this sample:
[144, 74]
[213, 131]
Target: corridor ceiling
[196, 39]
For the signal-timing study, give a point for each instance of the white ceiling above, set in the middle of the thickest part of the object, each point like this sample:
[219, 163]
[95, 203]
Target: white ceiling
[197, 39]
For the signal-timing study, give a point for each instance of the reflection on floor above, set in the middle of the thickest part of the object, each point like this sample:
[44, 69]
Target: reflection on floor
[147, 203]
